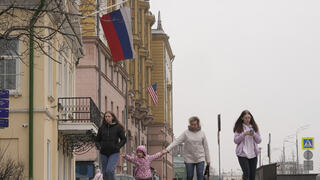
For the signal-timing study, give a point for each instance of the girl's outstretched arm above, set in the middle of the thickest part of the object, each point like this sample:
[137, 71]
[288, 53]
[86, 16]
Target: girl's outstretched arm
[155, 156]
[132, 159]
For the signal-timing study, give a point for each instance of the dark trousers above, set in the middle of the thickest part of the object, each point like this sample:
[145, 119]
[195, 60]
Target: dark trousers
[248, 167]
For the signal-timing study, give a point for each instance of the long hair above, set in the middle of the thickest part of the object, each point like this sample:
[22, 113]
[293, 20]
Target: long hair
[114, 119]
[238, 125]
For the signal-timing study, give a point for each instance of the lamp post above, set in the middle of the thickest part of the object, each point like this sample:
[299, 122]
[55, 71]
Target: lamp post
[301, 128]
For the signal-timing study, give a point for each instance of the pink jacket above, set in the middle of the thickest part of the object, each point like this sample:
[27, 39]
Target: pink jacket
[143, 169]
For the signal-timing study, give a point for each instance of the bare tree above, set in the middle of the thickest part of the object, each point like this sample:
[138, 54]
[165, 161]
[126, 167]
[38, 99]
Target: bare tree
[10, 169]
[55, 18]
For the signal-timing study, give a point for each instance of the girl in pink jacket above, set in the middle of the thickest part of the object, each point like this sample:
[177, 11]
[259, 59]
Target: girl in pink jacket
[142, 161]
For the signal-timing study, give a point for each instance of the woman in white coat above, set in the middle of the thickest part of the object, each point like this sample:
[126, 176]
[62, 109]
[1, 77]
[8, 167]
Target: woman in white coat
[196, 151]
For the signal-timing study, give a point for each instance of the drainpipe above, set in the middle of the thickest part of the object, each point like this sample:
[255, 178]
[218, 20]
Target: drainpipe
[31, 59]
[99, 55]
[99, 67]
[126, 119]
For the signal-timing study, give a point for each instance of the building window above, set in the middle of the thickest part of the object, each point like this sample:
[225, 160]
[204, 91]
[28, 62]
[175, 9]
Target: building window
[118, 112]
[70, 83]
[49, 71]
[70, 168]
[84, 170]
[59, 83]
[9, 65]
[106, 66]
[111, 106]
[65, 80]
[105, 104]
[65, 168]
[111, 72]
[117, 79]
[60, 162]
[122, 84]
[49, 160]
[123, 117]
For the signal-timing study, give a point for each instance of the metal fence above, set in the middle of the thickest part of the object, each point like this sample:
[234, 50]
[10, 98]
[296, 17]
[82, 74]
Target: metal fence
[269, 172]
[78, 109]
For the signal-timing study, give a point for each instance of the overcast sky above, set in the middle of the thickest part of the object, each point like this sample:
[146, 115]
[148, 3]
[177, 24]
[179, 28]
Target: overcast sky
[260, 55]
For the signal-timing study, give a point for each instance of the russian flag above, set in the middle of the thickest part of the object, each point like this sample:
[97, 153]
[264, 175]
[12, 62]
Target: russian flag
[118, 32]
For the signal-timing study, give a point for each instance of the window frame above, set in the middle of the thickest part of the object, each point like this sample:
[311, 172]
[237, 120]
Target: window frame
[14, 56]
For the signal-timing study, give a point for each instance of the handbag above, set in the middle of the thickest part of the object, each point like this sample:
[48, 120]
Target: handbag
[207, 171]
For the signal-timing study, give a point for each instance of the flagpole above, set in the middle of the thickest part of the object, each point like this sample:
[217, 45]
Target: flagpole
[104, 9]
[219, 129]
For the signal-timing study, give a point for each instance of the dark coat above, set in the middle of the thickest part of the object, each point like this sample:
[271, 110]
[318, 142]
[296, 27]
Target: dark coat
[108, 138]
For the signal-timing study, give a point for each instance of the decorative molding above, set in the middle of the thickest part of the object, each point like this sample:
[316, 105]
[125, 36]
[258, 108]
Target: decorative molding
[36, 110]
[143, 52]
[144, 5]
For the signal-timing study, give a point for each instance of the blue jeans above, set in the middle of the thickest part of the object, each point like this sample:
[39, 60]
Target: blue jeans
[108, 165]
[199, 169]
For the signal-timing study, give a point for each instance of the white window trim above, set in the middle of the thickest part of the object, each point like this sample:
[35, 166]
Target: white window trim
[59, 82]
[71, 77]
[50, 75]
[17, 91]
[65, 79]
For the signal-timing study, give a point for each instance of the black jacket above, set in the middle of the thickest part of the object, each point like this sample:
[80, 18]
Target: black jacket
[108, 138]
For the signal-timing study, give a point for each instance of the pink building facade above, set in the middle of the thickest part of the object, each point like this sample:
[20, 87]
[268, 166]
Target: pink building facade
[113, 80]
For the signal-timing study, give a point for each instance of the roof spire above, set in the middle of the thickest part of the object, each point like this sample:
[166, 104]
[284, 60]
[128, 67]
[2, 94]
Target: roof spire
[159, 27]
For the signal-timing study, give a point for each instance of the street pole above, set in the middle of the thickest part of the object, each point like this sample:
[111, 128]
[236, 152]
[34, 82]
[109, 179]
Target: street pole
[269, 148]
[284, 153]
[260, 156]
[219, 129]
[297, 153]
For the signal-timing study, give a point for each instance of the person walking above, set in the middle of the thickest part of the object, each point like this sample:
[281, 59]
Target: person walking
[247, 138]
[196, 150]
[142, 161]
[110, 138]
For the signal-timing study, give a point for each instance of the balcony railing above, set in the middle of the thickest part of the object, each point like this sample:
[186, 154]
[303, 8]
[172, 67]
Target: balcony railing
[78, 110]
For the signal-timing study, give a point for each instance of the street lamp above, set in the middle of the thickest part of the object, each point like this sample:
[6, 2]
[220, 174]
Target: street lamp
[301, 128]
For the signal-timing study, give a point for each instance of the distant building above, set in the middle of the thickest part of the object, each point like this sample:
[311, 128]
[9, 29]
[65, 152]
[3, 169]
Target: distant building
[160, 129]
[179, 169]
[289, 167]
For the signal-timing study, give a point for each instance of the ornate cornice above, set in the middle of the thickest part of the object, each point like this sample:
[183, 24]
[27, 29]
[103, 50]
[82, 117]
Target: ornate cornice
[144, 5]
[149, 62]
[143, 52]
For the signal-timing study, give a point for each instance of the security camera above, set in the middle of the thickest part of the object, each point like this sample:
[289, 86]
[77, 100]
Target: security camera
[25, 125]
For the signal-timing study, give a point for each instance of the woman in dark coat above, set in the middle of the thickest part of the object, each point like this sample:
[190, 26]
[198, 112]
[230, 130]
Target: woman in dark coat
[111, 137]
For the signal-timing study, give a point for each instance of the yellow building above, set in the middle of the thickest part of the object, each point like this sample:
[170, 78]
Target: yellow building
[56, 126]
[160, 133]
[140, 75]
[142, 72]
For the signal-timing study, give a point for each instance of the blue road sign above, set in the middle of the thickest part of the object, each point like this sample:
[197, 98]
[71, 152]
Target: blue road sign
[4, 94]
[4, 113]
[307, 143]
[4, 123]
[4, 103]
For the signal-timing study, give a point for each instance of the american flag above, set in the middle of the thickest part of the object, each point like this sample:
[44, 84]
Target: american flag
[153, 93]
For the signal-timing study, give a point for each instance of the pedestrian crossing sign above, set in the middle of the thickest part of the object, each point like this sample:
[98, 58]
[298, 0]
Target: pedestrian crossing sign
[307, 143]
